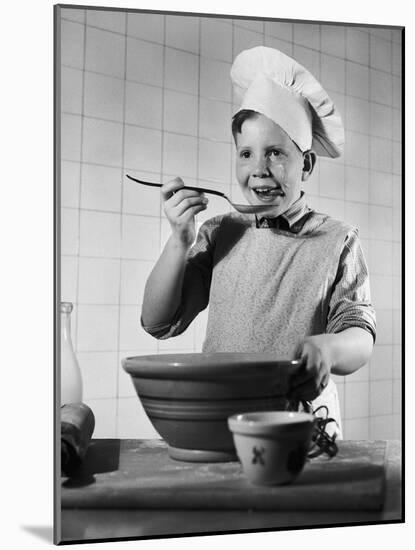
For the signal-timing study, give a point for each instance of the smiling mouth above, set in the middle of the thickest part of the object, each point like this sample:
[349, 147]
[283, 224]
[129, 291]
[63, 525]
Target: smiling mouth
[268, 193]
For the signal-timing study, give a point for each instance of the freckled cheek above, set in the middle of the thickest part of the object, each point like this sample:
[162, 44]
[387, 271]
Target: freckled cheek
[242, 173]
[279, 173]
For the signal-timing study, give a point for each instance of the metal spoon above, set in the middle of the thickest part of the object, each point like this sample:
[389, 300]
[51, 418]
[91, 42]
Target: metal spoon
[243, 208]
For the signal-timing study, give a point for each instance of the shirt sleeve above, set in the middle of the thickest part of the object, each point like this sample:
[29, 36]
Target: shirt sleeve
[196, 284]
[350, 304]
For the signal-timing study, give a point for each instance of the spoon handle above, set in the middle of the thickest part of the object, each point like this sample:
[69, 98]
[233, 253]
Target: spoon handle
[200, 189]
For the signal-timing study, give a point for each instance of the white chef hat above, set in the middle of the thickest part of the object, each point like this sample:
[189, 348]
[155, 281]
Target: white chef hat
[269, 82]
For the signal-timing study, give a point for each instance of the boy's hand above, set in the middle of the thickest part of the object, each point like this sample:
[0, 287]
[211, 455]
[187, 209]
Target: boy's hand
[181, 206]
[314, 374]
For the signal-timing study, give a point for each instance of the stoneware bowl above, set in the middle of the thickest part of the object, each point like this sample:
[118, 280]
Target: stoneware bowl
[272, 445]
[189, 397]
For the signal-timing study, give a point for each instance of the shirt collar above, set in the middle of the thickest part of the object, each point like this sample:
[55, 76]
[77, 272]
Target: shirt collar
[292, 215]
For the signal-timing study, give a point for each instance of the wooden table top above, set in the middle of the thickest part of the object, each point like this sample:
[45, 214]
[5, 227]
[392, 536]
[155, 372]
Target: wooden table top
[97, 523]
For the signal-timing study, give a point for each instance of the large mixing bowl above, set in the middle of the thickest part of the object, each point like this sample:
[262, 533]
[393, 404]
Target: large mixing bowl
[189, 397]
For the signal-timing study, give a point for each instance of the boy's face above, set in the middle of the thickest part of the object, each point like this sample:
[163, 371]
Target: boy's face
[269, 166]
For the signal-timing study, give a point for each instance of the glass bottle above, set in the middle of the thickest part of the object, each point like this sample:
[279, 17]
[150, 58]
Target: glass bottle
[71, 380]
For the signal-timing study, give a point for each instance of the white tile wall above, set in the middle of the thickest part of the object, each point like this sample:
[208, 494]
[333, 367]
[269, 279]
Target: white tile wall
[356, 428]
[99, 281]
[357, 114]
[134, 274]
[214, 79]
[71, 90]
[381, 188]
[333, 40]
[356, 184]
[99, 374]
[380, 87]
[244, 39]
[333, 73]
[72, 44]
[100, 234]
[180, 112]
[356, 399]
[105, 52]
[150, 95]
[215, 39]
[381, 398]
[100, 187]
[71, 137]
[132, 421]
[182, 32]
[144, 62]
[308, 58]
[103, 97]
[332, 179]
[105, 412]
[282, 45]
[307, 35]
[148, 26]
[214, 119]
[69, 231]
[219, 170]
[132, 336]
[180, 155]
[257, 26]
[111, 21]
[283, 31]
[357, 45]
[357, 80]
[142, 148]
[73, 14]
[70, 183]
[69, 270]
[102, 142]
[140, 237]
[182, 71]
[381, 363]
[97, 328]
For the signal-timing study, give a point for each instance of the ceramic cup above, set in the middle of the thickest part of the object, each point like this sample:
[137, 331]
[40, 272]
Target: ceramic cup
[272, 445]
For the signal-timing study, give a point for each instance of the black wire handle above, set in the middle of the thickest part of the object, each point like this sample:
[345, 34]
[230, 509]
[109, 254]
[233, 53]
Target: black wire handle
[321, 440]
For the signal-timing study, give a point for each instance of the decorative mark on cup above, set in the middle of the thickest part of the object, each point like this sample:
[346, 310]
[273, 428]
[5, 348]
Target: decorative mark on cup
[258, 456]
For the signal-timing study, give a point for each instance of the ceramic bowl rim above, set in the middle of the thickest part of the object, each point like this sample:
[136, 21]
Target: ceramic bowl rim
[251, 423]
[193, 366]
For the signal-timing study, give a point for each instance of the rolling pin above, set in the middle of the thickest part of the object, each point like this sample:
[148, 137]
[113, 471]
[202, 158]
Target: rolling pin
[77, 426]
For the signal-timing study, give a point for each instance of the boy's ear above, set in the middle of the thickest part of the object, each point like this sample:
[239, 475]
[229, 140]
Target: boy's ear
[309, 161]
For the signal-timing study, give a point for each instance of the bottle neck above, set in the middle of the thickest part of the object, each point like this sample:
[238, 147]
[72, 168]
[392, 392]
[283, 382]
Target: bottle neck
[66, 326]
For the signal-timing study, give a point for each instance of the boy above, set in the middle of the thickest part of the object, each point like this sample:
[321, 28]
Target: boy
[293, 282]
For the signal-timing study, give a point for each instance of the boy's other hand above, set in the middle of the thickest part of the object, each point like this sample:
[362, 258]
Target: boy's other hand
[181, 206]
[316, 364]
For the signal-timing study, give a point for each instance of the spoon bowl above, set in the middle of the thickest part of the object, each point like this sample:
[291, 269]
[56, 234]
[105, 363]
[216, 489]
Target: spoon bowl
[242, 208]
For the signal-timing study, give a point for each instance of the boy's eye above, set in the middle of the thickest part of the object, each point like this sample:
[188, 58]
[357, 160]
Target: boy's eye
[245, 154]
[275, 153]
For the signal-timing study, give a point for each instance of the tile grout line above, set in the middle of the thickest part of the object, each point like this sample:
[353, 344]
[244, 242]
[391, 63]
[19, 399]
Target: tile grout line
[369, 163]
[184, 92]
[198, 137]
[347, 59]
[163, 121]
[79, 209]
[228, 142]
[117, 384]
